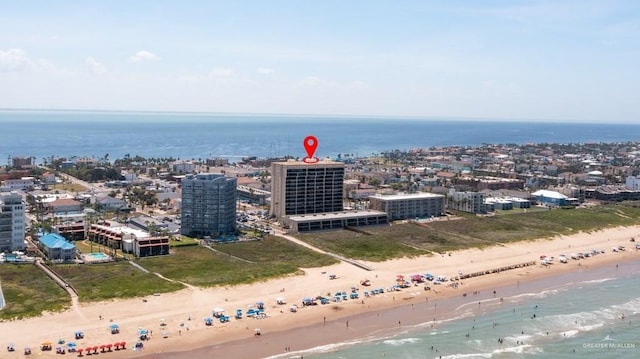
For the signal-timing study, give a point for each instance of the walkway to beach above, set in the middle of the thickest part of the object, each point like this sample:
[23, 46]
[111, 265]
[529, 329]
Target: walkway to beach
[75, 304]
[295, 240]
[1, 297]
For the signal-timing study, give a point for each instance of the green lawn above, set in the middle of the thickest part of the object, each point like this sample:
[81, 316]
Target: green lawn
[386, 242]
[269, 258]
[95, 282]
[382, 243]
[28, 292]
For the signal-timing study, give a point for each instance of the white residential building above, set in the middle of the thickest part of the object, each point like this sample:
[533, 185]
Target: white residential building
[12, 222]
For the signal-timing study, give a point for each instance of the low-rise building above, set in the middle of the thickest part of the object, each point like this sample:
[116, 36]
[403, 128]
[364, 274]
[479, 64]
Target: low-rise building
[550, 198]
[65, 206]
[23, 183]
[111, 204]
[472, 202]
[56, 247]
[334, 220]
[409, 206]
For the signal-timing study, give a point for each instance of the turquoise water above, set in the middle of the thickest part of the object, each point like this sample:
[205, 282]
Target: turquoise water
[591, 317]
[98, 255]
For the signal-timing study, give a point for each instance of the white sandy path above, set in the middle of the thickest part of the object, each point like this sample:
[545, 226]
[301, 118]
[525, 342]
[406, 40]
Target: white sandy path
[197, 303]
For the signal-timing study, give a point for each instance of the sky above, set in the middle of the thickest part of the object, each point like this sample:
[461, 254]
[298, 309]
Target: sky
[516, 60]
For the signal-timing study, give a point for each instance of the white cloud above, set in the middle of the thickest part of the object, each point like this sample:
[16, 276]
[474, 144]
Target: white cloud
[14, 60]
[222, 72]
[94, 66]
[265, 71]
[144, 55]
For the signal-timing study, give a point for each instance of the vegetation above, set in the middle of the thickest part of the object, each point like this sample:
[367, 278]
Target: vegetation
[470, 231]
[95, 282]
[382, 243]
[28, 292]
[182, 241]
[235, 263]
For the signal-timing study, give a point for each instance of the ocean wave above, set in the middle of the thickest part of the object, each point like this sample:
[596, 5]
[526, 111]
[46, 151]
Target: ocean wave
[596, 281]
[327, 348]
[520, 349]
[397, 342]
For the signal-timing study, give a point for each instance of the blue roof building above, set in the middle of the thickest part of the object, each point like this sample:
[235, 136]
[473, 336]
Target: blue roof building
[56, 246]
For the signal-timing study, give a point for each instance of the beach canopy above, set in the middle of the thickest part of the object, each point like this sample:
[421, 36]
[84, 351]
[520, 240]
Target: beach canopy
[218, 310]
[114, 326]
[71, 344]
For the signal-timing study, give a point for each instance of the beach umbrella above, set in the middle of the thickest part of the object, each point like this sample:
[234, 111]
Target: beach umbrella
[71, 344]
[80, 352]
[102, 347]
[124, 344]
[109, 346]
[95, 349]
[88, 350]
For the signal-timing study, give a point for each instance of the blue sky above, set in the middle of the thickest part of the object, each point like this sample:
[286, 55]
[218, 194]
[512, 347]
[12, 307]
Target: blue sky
[565, 60]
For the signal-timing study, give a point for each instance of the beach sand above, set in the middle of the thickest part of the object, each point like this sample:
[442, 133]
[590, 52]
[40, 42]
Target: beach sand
[316, 325]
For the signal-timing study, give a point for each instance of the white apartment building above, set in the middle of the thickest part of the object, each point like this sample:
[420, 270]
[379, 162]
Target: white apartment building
[12, 222]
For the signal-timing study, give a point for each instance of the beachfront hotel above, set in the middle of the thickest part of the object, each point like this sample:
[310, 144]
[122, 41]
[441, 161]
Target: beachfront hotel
[12, 222]
[306, 188]
[309, 196]
[208, 205]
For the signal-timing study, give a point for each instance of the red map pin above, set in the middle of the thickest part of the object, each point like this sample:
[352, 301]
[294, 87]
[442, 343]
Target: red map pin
[310, 144]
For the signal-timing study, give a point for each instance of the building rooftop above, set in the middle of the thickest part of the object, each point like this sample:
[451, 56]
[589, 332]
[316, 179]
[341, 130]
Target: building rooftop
[549, 194]
[395, 197]
[53, 240]
[335, 215]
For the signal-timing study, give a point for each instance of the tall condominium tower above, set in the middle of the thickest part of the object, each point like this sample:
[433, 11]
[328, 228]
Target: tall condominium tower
[305, 188]
[208, 205]
[12, 222]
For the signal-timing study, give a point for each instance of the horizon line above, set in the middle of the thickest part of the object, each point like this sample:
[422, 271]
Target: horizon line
[310, 115]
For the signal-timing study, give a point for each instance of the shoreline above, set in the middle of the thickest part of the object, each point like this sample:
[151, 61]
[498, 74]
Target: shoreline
[307, 328]
[384, 322]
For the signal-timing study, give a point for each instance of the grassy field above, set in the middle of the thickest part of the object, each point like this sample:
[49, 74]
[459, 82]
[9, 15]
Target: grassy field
[268, 258]
[95, 282]
[28, 292]
[382, 243]
[71, 187]
[471, 231]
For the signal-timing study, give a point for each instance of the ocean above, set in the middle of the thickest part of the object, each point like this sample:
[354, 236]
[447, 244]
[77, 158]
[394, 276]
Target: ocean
[41, 134]
[575, 317]
[590, 314]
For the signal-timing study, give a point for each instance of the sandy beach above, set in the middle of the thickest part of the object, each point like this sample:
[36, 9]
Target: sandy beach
[284, 332]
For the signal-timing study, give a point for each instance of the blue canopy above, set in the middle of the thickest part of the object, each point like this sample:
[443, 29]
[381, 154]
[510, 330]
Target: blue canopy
[114, 326]
[143, 332]
[71, 344]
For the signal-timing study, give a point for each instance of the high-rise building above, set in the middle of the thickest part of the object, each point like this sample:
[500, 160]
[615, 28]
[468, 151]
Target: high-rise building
[208, 205]
[299, 188]
[12, 222]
